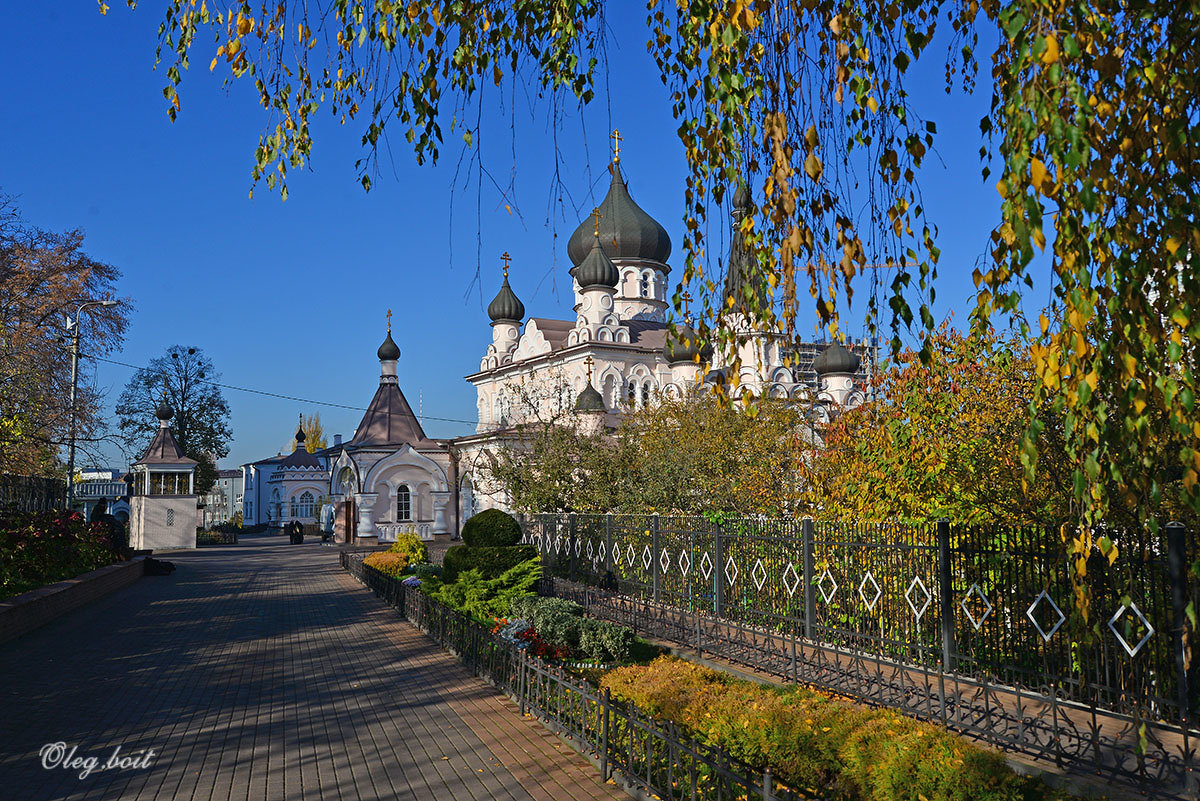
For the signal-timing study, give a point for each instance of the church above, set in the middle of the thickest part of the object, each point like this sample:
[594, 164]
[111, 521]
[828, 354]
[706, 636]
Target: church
[615, 351]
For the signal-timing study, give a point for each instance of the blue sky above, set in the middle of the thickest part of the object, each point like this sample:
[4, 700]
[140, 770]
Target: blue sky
[290, 297]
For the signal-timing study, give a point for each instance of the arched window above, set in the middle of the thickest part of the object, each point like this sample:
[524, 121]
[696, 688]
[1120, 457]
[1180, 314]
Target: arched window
[645, 285]
[646, 393]
[305, 507]
[403, 503]
[632, 396]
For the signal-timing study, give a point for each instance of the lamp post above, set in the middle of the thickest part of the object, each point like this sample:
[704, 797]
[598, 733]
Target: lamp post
[73, 330]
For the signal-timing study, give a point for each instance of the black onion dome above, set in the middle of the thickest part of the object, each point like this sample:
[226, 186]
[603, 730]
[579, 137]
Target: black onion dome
[589, 400]
[388, 350]
[836, 359]
[164, 411]
[506, 305]
[300, 436]
[596, 269]
[683, 345]
[626, 232]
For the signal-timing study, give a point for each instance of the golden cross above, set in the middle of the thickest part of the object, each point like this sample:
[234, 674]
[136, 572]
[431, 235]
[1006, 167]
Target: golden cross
[504, 257]
[596, 215]
[687, 303]
[389, 322]
[616, 137]
[589, 362]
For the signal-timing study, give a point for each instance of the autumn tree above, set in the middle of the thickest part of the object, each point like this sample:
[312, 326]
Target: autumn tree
[187, 380]
[44, 278]
[944, 438]
[314, 433]
[1094, 111]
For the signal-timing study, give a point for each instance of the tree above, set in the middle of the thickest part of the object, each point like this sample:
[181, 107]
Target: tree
[44, 278]
[944, 439]
[186, 379]
[1095, 108]
[314, 433]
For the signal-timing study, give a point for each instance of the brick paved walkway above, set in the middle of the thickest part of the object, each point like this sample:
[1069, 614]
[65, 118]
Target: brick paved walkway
[262, 671]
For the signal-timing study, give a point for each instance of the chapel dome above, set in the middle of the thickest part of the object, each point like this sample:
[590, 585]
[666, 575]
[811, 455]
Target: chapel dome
[836, 359]
[589, 400]
[300, 436]
[626, 232]
[164, 411]
[684, 346]
[596, 269]
[506, 305]
[388, 351]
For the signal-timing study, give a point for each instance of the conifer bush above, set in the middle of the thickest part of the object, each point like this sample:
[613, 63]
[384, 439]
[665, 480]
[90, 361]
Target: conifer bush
[392, 564]
[411, 547]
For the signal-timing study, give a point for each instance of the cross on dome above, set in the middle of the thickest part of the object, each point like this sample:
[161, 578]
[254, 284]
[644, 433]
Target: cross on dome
[588, 362]
[389, 316]
[504, 257]
[617, 139]
[596, 215]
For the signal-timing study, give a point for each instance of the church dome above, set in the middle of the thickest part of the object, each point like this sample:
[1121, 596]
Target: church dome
[626, 231]
[596, 269]
[589, 400]
[388, 350]
[300, 436]
[836, 359]
[506, 305]
[164, 411]
[684, 346]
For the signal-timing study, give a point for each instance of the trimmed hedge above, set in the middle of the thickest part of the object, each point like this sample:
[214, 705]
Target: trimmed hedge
[392, 564]
[491, 562]
[816, 743]
[491, 529]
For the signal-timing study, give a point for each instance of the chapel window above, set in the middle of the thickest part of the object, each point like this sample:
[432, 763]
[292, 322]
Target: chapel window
[645, 285]
[403, 503]
[306, 505]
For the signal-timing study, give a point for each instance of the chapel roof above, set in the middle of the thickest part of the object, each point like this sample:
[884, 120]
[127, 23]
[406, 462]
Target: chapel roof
[555, 331]
[389, 420]
[164, 449]
[506, 305]
[836, 359]
[300, 458]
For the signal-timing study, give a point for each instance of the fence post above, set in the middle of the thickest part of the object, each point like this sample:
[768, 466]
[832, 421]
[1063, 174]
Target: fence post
[604, 704]
[768, 786]
[810, 592]
[1177, 574]
[945, 593]
[718, 585]
[656, 580]
[572, 533]
[609, 579]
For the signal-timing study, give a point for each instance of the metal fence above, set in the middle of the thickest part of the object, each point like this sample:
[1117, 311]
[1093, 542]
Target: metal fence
[32, 493]
[630, 747]
[975, 627]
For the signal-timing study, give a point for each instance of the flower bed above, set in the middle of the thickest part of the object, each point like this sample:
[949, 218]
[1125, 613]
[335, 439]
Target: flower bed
[39, 548]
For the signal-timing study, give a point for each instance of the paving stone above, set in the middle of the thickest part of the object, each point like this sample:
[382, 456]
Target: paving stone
[262, 672]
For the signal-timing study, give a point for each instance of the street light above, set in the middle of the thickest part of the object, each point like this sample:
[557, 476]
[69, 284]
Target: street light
[73, 331]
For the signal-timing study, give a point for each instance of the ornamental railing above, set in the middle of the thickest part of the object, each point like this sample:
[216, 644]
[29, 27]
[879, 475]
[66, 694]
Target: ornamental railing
[628, 746]
[32, 493]
[975, 627]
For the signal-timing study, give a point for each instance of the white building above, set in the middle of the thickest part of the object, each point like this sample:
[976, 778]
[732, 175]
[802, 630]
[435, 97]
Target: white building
[617, 352]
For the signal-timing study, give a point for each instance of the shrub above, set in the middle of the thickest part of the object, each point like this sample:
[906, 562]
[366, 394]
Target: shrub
[483, 598]
[491, 529]
[392, 564]
[605, 641]
[426, 571]
[39, 548]
[491, 562]
[812, 741]
[411, 547]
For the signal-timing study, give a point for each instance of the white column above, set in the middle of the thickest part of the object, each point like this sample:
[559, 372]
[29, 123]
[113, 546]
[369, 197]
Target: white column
[440, 500]
[366, 505]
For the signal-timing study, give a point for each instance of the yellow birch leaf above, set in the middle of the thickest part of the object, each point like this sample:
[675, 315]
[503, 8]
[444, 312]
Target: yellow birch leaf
[1050, 54]
[1172, 245]
[872, 104]
[812, 166]
[1002, 188]
[1038, 170]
